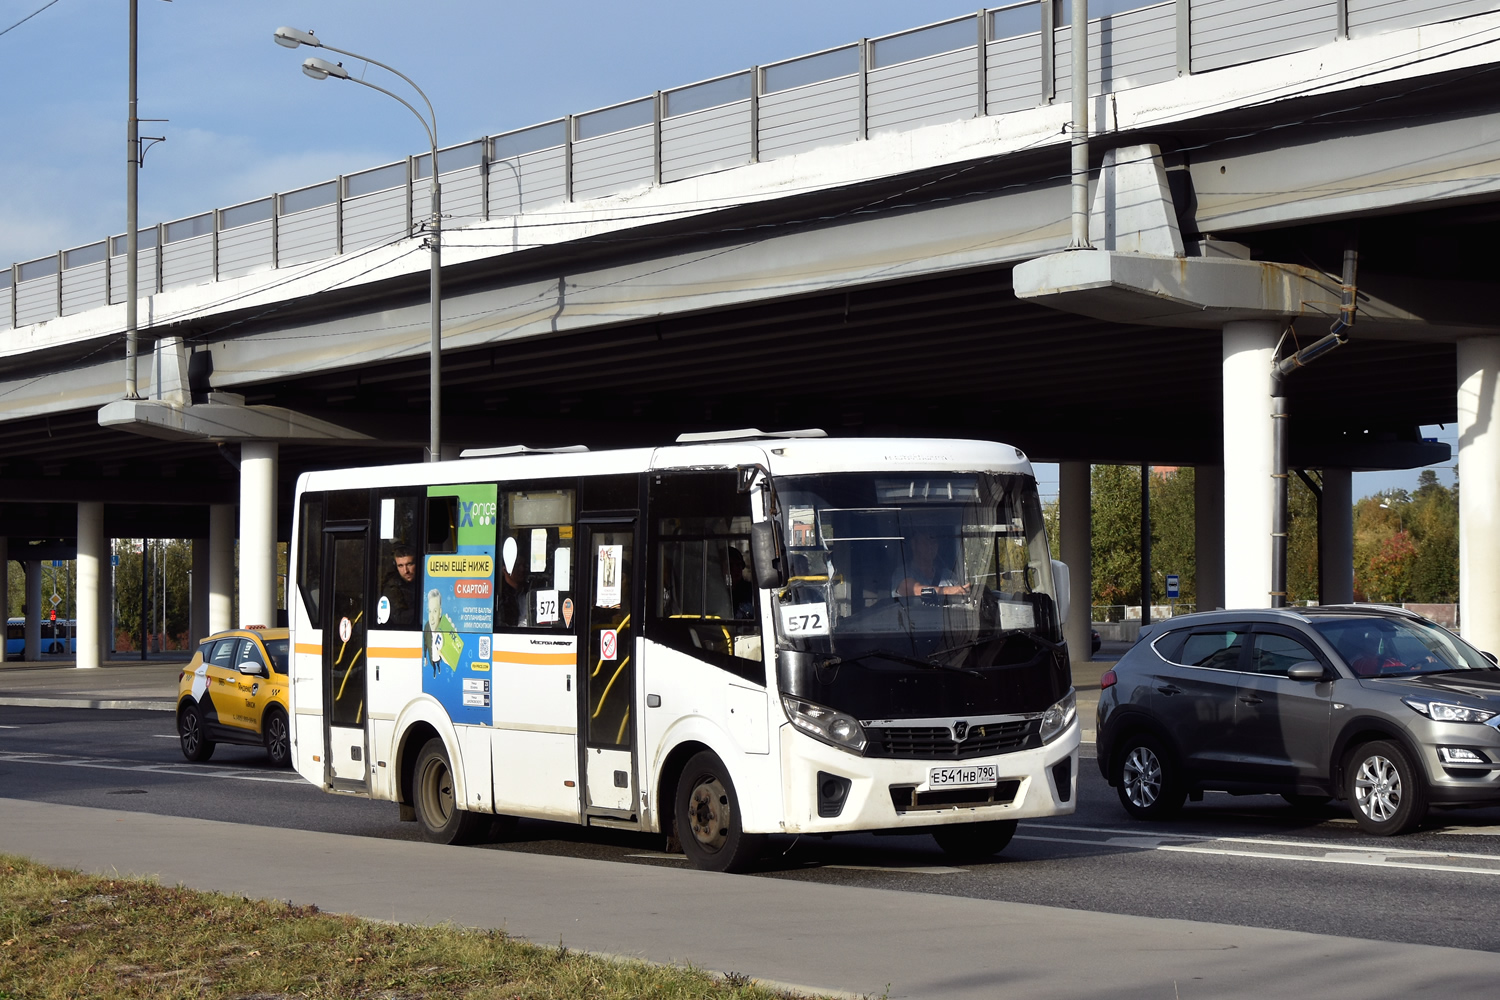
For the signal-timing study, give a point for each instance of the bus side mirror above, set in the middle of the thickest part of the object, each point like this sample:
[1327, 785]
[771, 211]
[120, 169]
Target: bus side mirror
[766, 554]
[1060, 581]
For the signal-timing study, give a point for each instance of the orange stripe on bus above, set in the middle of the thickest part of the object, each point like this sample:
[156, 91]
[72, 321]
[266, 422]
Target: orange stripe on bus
[310, 647]
[559, 658]
[396, 652]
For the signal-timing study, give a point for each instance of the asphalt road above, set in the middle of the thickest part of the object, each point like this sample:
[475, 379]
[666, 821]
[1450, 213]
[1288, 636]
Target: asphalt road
[1252, 861]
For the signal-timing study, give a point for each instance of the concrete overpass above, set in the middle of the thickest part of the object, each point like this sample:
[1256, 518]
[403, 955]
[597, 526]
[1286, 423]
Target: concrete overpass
[872, 239]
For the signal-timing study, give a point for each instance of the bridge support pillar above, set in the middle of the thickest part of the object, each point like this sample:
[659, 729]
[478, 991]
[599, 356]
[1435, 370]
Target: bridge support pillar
[1336, 538]
[220, 567]
[258, 533]
[33, 610]
[1249, 492]
[1208, 537]
[1075, 516]
[198, 599]
[90, 634]
[5, 591]
[1479, 475]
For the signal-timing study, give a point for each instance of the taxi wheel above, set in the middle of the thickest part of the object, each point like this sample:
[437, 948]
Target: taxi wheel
[438, 814]
[278, 737]
[708, 818]
[975, 841]
[196, 746]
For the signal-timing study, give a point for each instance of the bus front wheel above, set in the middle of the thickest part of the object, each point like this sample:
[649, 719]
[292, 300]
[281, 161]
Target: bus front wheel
[707, 818]
[438, 812]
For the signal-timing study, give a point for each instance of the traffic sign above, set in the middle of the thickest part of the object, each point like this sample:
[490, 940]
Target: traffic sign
[55, 599]
[1172, 586]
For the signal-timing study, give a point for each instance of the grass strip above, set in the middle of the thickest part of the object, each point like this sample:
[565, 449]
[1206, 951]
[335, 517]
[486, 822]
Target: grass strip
[64, 934]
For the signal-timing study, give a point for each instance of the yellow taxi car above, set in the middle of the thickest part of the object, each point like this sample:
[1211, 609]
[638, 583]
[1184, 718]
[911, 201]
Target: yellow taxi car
[234, 690]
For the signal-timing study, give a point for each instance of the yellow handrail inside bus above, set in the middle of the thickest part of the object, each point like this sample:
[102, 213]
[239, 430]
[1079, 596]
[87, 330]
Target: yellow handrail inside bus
[342, 683]
[624, 624]
[600, 707]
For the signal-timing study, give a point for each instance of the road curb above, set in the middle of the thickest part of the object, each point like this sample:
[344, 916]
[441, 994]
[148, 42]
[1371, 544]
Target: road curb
[122, 703]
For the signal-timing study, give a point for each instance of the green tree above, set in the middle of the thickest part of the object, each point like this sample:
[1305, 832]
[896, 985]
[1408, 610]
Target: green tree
[1301, 542]
[1173, 537]
[1432, 519]
[1116, 512]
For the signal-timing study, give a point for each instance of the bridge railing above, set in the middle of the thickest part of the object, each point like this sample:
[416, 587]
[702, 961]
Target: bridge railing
[996, 61]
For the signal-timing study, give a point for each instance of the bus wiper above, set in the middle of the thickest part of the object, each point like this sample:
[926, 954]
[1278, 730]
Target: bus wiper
[912, 661]
[1028, 633]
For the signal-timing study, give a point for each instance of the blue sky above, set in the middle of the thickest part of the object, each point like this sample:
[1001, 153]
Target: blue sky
[244, 121]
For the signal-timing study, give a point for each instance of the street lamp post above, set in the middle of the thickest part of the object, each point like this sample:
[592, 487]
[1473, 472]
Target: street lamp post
[322, 69]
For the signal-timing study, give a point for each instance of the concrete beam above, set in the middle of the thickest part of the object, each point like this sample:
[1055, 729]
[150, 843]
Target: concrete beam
[228, 420]
[1206, 292]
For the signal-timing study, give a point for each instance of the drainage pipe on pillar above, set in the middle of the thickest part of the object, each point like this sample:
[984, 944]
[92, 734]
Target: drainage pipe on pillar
[1278, 478]
[1080, 136]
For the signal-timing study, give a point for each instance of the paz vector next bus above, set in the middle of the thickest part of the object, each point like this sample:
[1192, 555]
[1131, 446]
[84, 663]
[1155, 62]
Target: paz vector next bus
[736, 636]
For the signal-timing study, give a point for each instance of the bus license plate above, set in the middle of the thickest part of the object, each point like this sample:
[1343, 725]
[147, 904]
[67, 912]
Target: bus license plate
[960, 777]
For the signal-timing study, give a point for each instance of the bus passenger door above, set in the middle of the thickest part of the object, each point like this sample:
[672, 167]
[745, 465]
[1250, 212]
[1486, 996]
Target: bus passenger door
[345, 621]
[611, 623]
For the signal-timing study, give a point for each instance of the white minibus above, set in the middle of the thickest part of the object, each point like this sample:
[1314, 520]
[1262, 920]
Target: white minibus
[732, 637]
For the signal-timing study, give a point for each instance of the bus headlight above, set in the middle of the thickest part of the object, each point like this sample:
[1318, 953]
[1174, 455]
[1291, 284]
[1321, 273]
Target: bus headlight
[1059, 716]
[825, 724]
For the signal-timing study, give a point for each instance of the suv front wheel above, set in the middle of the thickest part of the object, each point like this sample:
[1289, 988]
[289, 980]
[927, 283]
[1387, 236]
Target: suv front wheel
[1147, 778]
[1386, 792]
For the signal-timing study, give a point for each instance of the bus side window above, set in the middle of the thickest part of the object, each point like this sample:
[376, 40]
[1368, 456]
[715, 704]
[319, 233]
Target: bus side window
[442, 524]
[534, 553]
[703, 601]
[310, 563]
[398, 570]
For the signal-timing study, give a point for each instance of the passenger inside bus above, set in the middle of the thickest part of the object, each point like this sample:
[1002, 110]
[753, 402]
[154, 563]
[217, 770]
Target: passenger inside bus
[399, 586]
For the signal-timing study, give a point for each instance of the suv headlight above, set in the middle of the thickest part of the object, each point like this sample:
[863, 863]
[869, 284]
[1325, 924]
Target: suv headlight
[831, 727]
[1059, 716]
[1442, 711]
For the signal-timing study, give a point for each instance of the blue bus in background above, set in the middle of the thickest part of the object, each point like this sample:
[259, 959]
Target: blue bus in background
[57, 637]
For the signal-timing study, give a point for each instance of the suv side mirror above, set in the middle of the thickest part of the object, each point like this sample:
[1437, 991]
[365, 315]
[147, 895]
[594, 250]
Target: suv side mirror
[1307, 670]
[766, 554]
[253, 669]
[1490, 657]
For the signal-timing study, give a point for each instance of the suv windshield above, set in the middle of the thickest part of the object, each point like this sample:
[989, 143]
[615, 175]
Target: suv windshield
[1388, 647]
[924, 594]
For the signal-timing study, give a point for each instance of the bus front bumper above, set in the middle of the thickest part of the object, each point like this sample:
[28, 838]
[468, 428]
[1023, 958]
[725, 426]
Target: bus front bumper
[828, 790]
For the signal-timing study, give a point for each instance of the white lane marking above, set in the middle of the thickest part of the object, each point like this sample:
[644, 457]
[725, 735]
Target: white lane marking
[926, 870]
[1333, 859]
[179, 770]
[1470, 831]
[165, 736]
[1267, 841]
[10, 727]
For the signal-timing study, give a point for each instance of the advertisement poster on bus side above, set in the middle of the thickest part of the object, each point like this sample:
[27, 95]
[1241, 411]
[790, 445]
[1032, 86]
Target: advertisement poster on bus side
[458, 604]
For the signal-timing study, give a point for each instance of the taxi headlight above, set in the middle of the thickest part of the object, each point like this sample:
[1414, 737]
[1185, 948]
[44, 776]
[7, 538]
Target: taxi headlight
[1059, 716]
[1442, 711]
[834, 728]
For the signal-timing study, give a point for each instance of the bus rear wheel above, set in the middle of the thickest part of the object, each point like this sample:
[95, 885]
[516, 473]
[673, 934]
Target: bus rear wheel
[438, 813]
[707, 818]
[975, 841]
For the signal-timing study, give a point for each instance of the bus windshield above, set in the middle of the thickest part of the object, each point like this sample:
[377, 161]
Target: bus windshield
[925, 594]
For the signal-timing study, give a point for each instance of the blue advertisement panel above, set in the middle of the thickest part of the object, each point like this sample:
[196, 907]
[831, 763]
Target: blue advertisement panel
[459, 601]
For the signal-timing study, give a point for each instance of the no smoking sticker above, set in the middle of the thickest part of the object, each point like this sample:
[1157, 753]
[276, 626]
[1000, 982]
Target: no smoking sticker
[346, 629]
[609, 644]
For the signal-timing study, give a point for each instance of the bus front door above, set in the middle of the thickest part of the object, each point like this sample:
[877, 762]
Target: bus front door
[345, 620]
[611, 622]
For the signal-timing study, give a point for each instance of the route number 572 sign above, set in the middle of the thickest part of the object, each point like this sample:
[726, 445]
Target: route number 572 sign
[804, 619]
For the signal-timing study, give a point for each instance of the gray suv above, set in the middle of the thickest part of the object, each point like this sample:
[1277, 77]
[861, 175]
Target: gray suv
[1371, 704]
